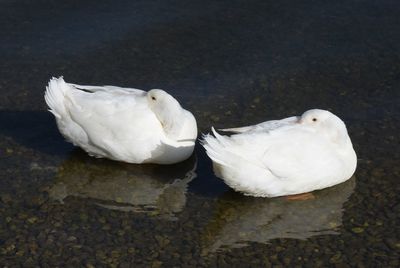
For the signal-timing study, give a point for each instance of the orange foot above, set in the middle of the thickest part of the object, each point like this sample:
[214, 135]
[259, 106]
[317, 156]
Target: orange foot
[301, 197]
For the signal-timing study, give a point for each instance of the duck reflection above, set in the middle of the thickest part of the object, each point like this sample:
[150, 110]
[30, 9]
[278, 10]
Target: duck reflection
[157, 190]
[241, 219]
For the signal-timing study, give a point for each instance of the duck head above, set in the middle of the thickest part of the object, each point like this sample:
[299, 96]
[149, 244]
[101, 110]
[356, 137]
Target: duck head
[326, 123]
[168, 111]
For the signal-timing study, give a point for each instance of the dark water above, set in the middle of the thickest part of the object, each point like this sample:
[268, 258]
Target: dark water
[231, 63]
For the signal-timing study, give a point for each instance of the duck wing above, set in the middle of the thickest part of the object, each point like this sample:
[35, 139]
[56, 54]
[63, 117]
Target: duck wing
[111, 89]
[298, 154]
[119, 123]
[264, 126]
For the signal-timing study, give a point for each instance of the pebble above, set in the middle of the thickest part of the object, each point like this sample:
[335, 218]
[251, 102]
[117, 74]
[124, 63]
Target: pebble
[6, 198]
[360, 84]
[357, 230]
[32, 220]
[156, 264]
[336, 258]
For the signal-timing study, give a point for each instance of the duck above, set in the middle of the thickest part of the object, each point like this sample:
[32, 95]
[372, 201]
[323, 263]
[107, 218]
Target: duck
[122, 124]
[291, 156]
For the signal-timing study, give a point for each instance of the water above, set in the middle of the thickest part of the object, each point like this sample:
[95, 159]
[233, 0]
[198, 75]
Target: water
[231, 63]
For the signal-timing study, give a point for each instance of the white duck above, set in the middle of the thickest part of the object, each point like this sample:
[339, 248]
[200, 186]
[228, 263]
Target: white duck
[123, 124]
[284, 157]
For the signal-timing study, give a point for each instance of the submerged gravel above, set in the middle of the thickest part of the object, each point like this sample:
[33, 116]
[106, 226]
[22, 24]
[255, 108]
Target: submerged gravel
[230, 63]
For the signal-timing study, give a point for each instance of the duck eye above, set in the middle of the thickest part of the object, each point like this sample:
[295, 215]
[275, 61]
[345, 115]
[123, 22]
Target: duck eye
[153, 98]
[314, 119]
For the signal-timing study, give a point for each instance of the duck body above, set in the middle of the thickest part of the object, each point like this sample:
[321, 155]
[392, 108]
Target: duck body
[123, 124]
[284, 157]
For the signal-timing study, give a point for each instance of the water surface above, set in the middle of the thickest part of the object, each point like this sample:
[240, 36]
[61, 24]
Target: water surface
[231, 63]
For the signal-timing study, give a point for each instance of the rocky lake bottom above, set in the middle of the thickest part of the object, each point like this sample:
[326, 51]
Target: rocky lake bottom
[231, 63]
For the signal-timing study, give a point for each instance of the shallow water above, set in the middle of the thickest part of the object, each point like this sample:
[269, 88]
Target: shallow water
[231, 63]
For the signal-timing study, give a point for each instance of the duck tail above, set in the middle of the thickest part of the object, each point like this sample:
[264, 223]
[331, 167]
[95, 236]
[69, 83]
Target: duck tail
[239, 173]
[55, 96]
[215, 147]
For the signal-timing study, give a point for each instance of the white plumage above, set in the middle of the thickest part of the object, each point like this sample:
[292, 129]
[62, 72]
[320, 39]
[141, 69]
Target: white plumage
[123, 124]
[284, 157]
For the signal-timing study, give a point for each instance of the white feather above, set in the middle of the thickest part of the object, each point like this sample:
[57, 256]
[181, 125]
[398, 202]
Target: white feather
[119, 124]
[265, 126]
[283, 157]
